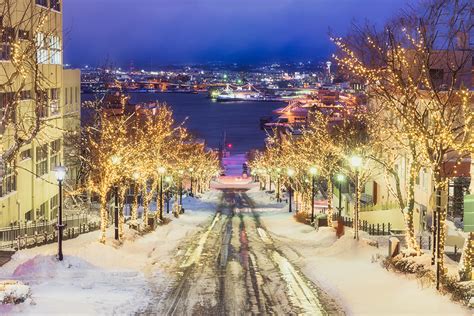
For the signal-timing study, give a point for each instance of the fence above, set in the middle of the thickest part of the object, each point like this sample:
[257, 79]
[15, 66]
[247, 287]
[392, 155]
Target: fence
[32, 234]
[372, 229]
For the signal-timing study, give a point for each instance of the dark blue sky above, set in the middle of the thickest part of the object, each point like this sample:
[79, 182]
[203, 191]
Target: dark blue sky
[159, 32]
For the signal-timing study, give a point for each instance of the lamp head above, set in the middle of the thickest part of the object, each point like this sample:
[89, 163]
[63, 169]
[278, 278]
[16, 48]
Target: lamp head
[60, 173]
[191, 169]
[115, 159]
[290, 172]
[161, 170]
[136, 175]
[313, 170]
[355, 161]
[340, 178]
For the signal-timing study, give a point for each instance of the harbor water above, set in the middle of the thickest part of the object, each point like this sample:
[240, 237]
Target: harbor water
[210, 120]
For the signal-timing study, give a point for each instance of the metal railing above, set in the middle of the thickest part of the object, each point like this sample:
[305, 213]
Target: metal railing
[40, 232]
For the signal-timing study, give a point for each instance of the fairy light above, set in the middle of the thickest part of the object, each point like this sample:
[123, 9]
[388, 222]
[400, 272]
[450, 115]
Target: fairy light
[430, 122]
[136, 150]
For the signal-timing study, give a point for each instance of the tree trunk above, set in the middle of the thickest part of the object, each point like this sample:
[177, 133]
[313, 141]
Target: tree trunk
[104, 216]
[122, 193]
[134, 207]
[330, 201]
[147, 196]
[408, 214]
[465, 270]
[439, 245]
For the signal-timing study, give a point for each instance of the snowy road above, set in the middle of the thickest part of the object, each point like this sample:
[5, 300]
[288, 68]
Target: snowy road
[233, 267]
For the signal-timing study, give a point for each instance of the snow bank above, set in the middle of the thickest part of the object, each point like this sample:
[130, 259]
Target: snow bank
[109, 278]
[13, 292]
[349, 270]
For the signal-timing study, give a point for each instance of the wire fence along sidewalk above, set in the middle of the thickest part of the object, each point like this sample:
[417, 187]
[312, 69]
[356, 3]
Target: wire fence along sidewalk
[41, 232]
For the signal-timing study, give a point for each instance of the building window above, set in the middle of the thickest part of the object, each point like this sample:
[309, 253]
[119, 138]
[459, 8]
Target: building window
[29, 215]
[41, 49]
[7, 37]
[41, 213]
[66, 95]
[55, 154]
[24, 34]
[25, 154]
[9, 181]
[43, 3]
[55, 5]
[41, 160]
[42, 104]
[5, 51]
[77, 95]
[54, 103]
[53, 204]
[25, 95]
[54, 50]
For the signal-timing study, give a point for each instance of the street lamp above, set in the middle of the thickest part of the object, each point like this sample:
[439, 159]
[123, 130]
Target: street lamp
[191, 175]
[181, 173]
[168, 180]
[161, 172]
[340, 179]
[312, 171]
[356, 163]
[60, 173]
[115, 159]
[290, 172]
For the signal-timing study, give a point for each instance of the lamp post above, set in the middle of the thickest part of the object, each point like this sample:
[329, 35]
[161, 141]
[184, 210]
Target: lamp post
[312, 171]
[181, 172]
[116, 212]
[290, 172]
[340, 179]
[191, 175]
[278, 171]
[168, 180]
[161, 172]
[60, 172]
[116, 161]
[356, 163]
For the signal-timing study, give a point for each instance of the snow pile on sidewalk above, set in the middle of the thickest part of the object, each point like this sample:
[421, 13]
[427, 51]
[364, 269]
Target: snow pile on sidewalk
[265, 201]
[13, 292]
[350, 271]
[102, 279]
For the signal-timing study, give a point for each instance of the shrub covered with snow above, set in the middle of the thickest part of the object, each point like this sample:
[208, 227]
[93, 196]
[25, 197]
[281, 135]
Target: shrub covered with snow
[421, 267]
[13, 292]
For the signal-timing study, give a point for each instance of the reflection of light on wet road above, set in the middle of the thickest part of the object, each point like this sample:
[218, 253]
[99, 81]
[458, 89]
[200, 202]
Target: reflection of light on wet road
[196, 254]
[299, 292]
[264, 236]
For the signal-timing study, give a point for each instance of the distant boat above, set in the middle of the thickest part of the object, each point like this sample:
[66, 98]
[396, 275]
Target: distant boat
[229, 94]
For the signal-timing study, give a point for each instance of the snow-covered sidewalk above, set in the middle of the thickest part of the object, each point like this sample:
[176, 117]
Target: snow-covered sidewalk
[104, 279]
[348, 270]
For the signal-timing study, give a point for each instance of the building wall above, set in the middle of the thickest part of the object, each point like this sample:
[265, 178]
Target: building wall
[72, 121]
[35, 196]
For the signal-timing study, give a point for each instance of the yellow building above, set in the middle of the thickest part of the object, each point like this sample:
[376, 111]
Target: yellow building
[41, 95]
